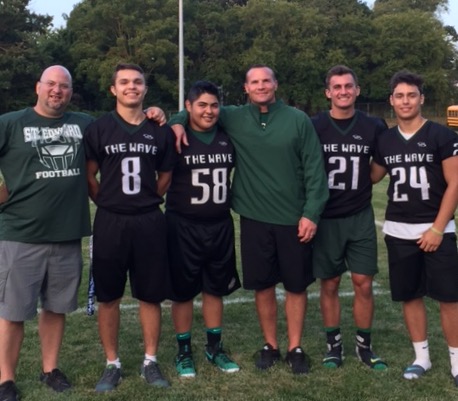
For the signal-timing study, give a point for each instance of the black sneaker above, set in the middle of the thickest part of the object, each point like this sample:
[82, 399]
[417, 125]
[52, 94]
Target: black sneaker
[334, 357]
[297, 360]
[56, 380]
[152, 375]
[8, 391]
[111, 377]
[268, 356]
[366, 356]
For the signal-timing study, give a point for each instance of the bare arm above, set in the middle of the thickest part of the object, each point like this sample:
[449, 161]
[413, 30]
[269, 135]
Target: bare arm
[92, 168]
[180, 136]
[431, 239]
[3, 193]
[163, 182]
[377, 172]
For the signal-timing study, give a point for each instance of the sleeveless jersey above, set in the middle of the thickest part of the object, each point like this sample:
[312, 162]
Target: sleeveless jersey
[201, 179]
[42, 161]
[129, 158]
[347, 155]
[417, 182]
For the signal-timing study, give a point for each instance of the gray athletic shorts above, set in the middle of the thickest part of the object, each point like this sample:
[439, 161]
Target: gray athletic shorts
[28, 272]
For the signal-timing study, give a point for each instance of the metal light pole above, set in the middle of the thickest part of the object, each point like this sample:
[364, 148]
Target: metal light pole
[180, 57]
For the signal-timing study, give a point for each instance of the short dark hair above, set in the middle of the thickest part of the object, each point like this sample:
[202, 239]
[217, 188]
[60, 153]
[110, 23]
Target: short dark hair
[201, 87]
[406, 77]
[339, 70]
[126, 66]
[253, 66]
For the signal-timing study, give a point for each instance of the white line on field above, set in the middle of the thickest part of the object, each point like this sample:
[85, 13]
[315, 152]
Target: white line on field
[245, 300]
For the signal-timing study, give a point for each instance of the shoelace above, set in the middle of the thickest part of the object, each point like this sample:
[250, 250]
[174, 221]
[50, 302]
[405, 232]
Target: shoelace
[186, 362]
[110, 372]
[222, 356]
[152, 371]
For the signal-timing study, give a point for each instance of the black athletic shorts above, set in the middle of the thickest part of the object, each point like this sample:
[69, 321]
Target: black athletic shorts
[130, 244]
[202, 257]
[271, 254]
[414, 273]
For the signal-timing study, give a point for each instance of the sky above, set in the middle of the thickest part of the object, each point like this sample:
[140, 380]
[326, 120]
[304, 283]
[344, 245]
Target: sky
[56, 8]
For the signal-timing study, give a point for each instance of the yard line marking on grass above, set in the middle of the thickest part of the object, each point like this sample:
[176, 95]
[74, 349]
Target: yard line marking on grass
[243, 300]
[279, 292]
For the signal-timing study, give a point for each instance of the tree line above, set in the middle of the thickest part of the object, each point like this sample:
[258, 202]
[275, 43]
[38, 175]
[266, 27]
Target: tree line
[300, 39]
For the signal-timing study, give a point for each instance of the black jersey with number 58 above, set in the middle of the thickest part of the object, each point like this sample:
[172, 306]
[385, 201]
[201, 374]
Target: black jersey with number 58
[200, 186]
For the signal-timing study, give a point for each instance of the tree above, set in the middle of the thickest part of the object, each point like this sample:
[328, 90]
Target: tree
[300, 39]
[105, 32]
[397, 6]
[414, 40]
[20, 64]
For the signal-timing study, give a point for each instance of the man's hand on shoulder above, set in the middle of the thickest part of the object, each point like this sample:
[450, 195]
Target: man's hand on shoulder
[180, 136]
[156, 114]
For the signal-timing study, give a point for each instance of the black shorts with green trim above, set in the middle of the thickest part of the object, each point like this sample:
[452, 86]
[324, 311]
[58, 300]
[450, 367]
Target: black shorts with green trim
[201, 256]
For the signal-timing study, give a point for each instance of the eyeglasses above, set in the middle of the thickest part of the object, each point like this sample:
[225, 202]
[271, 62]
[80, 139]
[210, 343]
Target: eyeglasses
[52, 84]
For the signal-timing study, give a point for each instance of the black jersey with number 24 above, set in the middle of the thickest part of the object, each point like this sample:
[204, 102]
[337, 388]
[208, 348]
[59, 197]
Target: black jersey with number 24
[417, 182]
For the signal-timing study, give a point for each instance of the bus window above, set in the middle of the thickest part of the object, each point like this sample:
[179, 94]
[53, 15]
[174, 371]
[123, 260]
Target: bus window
[452, 116]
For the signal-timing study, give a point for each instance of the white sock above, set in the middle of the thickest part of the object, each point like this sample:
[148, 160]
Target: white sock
[453, 360]
[422, 354]
[116, 362]
[149, 358]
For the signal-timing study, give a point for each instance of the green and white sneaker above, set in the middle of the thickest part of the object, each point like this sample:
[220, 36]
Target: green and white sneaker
[184, 363]
[366, 356]
[334, 357]
[219, 358]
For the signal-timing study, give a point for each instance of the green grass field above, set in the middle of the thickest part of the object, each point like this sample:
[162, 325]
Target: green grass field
[82, 358]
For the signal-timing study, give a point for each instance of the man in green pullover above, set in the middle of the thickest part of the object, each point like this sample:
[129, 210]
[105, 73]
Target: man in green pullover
[279, 190]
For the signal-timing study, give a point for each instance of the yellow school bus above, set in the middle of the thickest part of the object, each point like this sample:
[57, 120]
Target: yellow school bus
[452, 116]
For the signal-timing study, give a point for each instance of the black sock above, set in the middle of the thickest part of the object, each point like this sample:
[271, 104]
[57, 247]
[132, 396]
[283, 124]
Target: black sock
[184, 342]
[213, 336]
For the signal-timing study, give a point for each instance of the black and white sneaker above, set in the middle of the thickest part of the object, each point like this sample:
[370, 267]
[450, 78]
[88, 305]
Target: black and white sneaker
[267, 357]
[9, 391]
[297, 361]
[55, 380]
